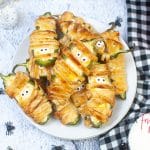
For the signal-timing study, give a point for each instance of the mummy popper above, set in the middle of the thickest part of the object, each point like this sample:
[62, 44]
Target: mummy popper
[116, 66]
[98, 108]
[67, 75]
[44, 48]
[29, 95]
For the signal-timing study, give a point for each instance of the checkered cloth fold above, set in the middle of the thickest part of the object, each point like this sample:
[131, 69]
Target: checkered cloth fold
[138, 33]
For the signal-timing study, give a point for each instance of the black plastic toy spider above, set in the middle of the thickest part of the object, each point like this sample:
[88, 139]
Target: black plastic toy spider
[61, 147]
[9, 128]
[2, 91]
[116, 23]
[9, 148]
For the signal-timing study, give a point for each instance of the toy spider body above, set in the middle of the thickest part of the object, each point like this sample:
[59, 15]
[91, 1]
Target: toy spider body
[9, 128]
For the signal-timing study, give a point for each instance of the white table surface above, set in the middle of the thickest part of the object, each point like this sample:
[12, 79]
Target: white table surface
[26, 136]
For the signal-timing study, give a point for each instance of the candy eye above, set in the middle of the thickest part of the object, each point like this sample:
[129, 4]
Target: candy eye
[98, 80]
[22, 94]
[84, 59]
[27, 91]
[45, 49]
[41, 50]
[78, 89]
[83, 86]
[78, 54]
[100, 44]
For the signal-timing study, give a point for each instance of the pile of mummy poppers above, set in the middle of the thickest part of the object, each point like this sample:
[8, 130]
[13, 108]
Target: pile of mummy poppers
[73, 72]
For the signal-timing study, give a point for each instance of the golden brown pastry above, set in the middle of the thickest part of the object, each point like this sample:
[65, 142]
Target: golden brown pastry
[75, 28]
[116, 66]
[69, 16]
[29, 95]
[43, 44]
[81, 95]
[44, 48]
[65, 79]
[98, 108]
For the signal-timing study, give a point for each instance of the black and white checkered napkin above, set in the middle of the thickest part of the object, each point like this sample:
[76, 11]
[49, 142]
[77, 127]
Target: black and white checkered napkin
[138, 33]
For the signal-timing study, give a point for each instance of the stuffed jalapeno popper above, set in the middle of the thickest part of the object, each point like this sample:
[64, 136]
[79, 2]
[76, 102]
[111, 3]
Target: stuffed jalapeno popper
[44, 48]
[98, 108]
[29, 95]
[116, 66]
[64, 82]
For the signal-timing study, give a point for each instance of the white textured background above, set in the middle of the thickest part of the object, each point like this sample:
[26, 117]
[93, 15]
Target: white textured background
[26, 136]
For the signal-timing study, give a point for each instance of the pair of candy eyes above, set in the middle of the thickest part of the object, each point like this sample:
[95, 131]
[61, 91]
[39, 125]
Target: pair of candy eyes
[26, 92]
[99, 80]
[80, 87]
[84, 59]
[43, 49]
[100, 44]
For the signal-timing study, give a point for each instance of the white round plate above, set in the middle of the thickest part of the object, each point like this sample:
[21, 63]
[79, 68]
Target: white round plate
[76, 132]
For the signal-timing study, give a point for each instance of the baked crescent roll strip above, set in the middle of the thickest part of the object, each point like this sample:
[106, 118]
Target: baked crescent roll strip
[116, 66]
[98, 107]
[44, 47]
[29, 95]
[69, 16]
